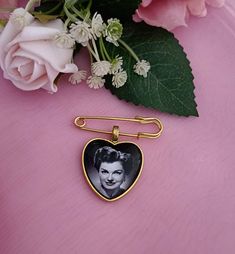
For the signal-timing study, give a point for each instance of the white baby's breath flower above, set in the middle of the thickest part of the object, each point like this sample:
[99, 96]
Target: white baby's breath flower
[116, 65]
[64, 40]
[95, 82]
[81, 32]
[20, 18]
[119, 78]
[113, 31]
[97, 25]
[142, 67]
[77, 77]
[100, 68]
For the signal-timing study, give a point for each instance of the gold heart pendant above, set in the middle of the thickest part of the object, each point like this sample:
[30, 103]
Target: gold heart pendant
[112, 168]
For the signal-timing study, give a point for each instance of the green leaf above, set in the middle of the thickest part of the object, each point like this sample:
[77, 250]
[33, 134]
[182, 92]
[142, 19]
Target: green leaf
[169, 84]
[116, 8]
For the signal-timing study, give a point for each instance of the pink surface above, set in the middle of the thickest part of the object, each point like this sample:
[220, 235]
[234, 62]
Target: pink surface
[184, 201]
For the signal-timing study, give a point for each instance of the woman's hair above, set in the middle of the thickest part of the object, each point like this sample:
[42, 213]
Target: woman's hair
[108, 154]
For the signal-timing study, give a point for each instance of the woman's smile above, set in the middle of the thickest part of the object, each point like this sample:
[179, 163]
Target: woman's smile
[111, 174]
[109, 183]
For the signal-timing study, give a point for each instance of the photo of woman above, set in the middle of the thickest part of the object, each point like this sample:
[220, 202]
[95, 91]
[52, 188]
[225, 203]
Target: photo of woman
[112, 169]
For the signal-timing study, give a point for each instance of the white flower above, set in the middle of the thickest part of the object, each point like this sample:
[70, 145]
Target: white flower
[97, 25]
[64, 40]
[20, 18]
[81, 32]
[119, 78]
[95, 82]
[142, 67]
[116, 65]
[113, 31]
[77, 77]
[100, 68]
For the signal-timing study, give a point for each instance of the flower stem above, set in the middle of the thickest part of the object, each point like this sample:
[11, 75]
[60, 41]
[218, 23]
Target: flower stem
[95, 48]
[92, 52]
[88, 14]
[66, 23]
[90, 55]
[101, 49]
[89, 5]
[70, 3]
[78, 13]
[104, 49]
[69, 15]
[30, 4]
[129, 49]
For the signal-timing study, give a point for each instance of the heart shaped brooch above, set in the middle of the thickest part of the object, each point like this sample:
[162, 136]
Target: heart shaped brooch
[113, 167]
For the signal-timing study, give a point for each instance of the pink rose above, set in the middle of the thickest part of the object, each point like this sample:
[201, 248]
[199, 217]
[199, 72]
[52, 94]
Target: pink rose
[172, 13]
[29, 57]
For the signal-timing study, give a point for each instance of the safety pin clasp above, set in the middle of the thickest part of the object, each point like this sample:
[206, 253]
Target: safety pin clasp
[80, 122]
[150, 120]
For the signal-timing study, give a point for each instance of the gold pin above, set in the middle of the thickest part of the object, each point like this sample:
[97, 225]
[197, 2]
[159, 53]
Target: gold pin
[112, 168]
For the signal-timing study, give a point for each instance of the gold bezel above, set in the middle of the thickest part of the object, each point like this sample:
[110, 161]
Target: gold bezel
[113, 143]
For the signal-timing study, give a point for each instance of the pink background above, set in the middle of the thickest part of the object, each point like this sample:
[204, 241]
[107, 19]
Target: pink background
[184, 201]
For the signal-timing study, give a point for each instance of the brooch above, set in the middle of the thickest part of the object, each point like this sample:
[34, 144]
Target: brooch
[112, 167]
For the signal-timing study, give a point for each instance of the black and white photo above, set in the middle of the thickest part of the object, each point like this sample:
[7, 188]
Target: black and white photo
[112, 168]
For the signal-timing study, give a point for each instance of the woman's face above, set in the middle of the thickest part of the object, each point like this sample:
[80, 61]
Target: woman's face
[111, 174]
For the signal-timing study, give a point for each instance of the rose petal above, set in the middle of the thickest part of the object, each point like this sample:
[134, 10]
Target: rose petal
[172, 13]
[168, 14]
[36, 31]
[136, 17]
[197, 7]
[30, 58]
[51, 74]
[8, 34]
[25, 54]
[146, 3]
[48, 52]
[38, 71]
[18, 61]
[215, 3]
[26, 86]
[25, 70]
[42, 39]
[9, 56]
[50, 87]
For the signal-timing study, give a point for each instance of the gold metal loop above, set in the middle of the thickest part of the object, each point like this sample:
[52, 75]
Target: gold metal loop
[115, 133]
[80, 122]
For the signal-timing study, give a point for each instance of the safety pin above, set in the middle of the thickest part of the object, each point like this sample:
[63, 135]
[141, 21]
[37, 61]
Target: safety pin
[80, 122]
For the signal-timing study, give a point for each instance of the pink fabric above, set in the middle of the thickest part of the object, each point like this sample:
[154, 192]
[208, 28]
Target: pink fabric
[184, 201]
